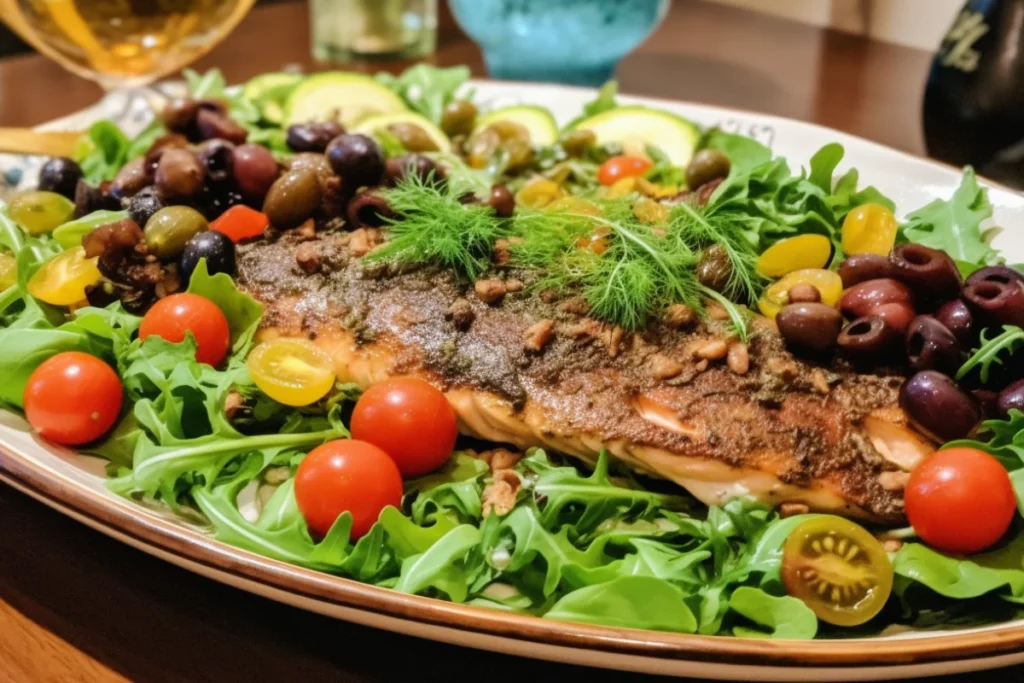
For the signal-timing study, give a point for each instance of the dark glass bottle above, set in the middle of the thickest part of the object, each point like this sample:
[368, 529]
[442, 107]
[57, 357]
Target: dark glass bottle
[974, 100]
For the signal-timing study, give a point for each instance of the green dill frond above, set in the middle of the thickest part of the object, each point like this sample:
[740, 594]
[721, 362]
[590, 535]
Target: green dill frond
[433, 226]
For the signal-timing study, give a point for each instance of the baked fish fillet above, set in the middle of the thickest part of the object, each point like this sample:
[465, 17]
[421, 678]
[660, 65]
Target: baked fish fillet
[531, 371]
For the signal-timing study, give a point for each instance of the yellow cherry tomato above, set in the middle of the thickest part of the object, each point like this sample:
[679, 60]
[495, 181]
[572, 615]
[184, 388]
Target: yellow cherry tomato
[62, 280]
[869, 229]
[291, 371]
[574, 204]
[39, 212]
[795, 253]
[538, 193]
[8, 271]
[828, 283]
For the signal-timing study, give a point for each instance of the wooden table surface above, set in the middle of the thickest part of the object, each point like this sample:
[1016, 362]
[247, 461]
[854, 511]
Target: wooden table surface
[77, 606]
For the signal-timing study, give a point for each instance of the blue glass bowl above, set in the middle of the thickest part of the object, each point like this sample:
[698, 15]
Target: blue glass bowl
[564, 41]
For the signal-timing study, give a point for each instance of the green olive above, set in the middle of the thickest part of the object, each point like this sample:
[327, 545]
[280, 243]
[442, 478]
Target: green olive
[507, 136]
[458, 117]
[38, 211]
[169, 230]
[412, 137]
[706, 165]
[575, 143]
[481, 147]
[293, 198]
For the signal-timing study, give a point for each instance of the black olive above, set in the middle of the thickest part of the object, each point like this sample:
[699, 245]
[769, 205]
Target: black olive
[706, 165]
[862, 298]
[358, 159]
[1003, 274]
[143, 205]
[313, 136]
[215, 247]
[218, 158]
[931, 273]
[995, 303]
[213, 125]
[868, 337]
[255, 171]
[937, 404]
[714, 269]
[502, 201]
[179, 174]
[60, 175]
[809, 326]
[1011, 398]
[958, 319]
[863, 267]
[368, 210]
[931, 346]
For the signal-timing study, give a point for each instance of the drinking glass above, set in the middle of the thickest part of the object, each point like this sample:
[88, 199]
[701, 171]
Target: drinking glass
[345, 30]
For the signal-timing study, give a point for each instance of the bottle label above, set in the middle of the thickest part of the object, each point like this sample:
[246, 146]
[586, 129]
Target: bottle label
[958, 48]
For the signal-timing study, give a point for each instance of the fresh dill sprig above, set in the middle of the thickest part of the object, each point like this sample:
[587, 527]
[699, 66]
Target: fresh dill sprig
[433, 226]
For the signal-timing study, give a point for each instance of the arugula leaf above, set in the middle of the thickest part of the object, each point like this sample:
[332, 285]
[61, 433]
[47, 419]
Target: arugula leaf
[71, 233]
[786, 617]
[242, 311]
[628, 602]
[961, 578]
[744, 154]
[442, 567]
[407, 538]
[102, 151]
[457, 489]
[425, 88]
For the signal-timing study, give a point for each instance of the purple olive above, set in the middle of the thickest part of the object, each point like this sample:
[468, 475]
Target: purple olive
[130, 180]
[897, 315]
[996, 303]
[868, 337]
[1011, 398]
[213, 125]
[863, 298]
[931, 346]
[255, 170]
[313, 136]
[938, 405]
[179, 174]
[995, 274]
[930, 273]
[368, 210]
[958, 319]
[863, 267]
[809, 326]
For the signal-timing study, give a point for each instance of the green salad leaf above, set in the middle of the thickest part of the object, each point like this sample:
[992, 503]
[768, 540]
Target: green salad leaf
[784, 617]
[628, 602]
[443, 566]
[960, 578]
[425, 88]
[71, 233]
[242, 311]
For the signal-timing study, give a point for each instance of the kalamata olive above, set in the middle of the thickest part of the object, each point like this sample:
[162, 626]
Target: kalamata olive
[89, 199]
[458, 118]
[576, 142]
[313, 136]
[958, 319]
[863, 267]
[130, 179]
[292, 198]
[144, 204]
[803, 293]
[216, 247]
[897, 315]
[862, 298]
[60, 175]
[413, 137]
[930, 273]
[368, 210]
[868, 337]
[1011, 398]
[809, 326]
[995, 274]
[255, 170]
[161, 145]
[995, 303]
[179, 174]
[358, 159]
[714, 269]
[170, 229]
[502, 201]
[213, 125]
[931, 346]
[218, 158]
[938, 405]
[180, 115]
[988, 402]
[705, 166]
[423, 167]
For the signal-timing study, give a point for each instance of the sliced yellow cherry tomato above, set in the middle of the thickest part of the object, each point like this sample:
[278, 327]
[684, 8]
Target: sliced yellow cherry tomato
[829, 284]
[38, 212]
[8, 271]
[291, 371]
[795, 253]
[538, 193]
[869, 229]
[62, 280]
[573, 204]
[838, 569]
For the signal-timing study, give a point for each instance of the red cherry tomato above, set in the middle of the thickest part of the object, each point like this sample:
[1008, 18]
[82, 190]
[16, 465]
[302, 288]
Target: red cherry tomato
[960, 500]
[410, 420]
[73, 398]
[623, 166]
[241, 223]
[177, 314]
[346, 475]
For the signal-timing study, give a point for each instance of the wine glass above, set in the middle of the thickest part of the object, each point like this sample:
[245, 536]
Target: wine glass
[123, 45]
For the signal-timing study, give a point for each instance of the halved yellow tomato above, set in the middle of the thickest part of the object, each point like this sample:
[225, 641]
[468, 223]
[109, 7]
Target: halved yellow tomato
[62, 280]
[8, 271]
[795, 253]
[838, 569]
[869, 229]
[828, 283]
[291, 371]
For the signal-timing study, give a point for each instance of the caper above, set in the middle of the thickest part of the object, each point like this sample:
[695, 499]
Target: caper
[38, 211]
[458, 117]
[179, 174]
[575, 143]
[706, 165]
[714, 270]
[413, 137]
[170, 229]
[293, 198]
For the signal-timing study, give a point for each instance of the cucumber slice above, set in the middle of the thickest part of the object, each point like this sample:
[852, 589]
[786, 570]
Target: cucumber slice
[374, 123]
[636, 127]
[347, 97]
[537, 120]
[269, 92]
